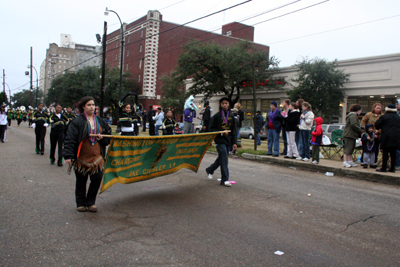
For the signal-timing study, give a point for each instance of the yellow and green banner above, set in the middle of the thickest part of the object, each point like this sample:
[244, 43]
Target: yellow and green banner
[133, 159]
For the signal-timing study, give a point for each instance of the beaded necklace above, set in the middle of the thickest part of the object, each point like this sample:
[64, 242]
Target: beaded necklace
[92, 129]
[225, 118]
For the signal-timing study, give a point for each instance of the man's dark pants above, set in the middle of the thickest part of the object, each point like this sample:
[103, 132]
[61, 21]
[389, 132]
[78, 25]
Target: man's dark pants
[40, 132]
[56, 137]
[221, 161]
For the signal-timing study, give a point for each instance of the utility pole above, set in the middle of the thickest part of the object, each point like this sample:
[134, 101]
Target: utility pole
[4, 81]
[31, 78]
[103, 70]
[10, 98]
[254, 107]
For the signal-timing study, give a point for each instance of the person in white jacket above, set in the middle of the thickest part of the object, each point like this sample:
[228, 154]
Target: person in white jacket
[158, 118]
[306, 123]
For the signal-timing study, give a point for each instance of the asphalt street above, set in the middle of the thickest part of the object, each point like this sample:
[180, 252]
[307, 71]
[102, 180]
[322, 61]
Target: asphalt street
[185, 220]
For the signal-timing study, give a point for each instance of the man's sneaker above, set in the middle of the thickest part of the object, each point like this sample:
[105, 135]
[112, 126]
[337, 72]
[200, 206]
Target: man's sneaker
[37, 151]
[299, 158]
[346, 164]
[306, 159]
[352, 164]
[314, 162]
[210, 176]
[52, 161]
[227, 183]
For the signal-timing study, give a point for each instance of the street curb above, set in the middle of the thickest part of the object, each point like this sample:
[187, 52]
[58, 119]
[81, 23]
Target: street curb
[347, 172]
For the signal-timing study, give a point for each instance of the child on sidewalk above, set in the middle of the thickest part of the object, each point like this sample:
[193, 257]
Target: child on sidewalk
[369, 148]
[316, 140]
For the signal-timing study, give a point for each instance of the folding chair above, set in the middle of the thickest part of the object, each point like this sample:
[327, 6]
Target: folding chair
[337, 140]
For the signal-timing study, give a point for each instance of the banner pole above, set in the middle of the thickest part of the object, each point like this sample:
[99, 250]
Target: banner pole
[111, 136]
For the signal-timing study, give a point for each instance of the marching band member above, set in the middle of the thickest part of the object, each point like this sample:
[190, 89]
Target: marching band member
[125, 122]
[70, 116]
[57, 122]
[168, 124]
[136, 120]
[40, 122]
[10, 117]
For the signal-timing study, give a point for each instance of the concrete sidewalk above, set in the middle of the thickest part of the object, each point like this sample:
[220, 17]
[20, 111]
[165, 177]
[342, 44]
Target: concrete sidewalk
[334, 166]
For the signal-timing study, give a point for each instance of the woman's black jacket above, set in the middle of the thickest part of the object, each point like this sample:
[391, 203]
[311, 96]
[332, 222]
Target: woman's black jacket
[78, 130]
[390, 125]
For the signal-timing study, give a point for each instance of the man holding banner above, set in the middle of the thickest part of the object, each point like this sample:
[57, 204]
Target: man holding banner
[225, 141]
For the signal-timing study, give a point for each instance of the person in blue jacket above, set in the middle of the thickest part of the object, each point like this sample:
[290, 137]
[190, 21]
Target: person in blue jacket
[274, 125]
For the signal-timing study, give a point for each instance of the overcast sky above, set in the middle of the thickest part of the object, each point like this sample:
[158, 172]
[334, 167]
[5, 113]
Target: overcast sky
[40, 22]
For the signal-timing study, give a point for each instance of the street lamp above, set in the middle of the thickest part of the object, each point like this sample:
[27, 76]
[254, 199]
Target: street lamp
[122, 49]
[37, 80]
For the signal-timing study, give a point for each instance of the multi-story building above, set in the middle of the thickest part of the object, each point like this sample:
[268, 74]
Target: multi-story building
[66, 57]
[152, 47]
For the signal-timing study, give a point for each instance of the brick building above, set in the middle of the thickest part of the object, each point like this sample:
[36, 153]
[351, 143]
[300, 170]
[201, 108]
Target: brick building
[149, 54]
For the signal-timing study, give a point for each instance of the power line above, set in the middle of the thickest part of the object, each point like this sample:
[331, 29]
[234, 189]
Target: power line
[181, 25]
[341, 28]
[291, 12]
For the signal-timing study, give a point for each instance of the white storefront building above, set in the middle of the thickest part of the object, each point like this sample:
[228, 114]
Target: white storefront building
[372, 79]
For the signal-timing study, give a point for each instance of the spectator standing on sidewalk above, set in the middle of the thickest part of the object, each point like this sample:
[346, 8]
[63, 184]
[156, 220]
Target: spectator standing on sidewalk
[352, 131]
[144, 117]
[306, 123]
[259, 125]
[292, 122]
[316, 140]
[389, 123]
[299, 104]
[368, 145]
[158, 118]
[371, 118]
[206, 117]
[274, 124]
[150, 116]
[285, 111]
[238, 106]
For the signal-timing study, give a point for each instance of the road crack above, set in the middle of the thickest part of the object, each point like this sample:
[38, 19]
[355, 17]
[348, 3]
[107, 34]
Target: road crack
[362, 220]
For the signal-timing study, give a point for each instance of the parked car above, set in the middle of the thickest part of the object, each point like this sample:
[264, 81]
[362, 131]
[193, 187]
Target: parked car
[248, 132]
[197, 128]
[328, 128]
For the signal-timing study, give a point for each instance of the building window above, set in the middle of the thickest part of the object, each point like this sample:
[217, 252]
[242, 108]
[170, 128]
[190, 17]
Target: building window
[116, 56]
[72, 56]
[140, 64]
[65, 61]
[59, 66]
[127, 52]
[141, 33]
[126, 66]
[140, 48]
[139, 78]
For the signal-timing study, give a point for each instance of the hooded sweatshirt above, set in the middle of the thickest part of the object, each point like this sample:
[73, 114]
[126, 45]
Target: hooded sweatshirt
[317, 133]
[224, 121]
[368, 145]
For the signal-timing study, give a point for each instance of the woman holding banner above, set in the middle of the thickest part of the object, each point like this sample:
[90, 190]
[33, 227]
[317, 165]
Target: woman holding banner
[86, 153]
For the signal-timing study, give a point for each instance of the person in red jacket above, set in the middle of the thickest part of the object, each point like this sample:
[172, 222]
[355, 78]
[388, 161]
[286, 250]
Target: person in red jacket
[316, 140]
